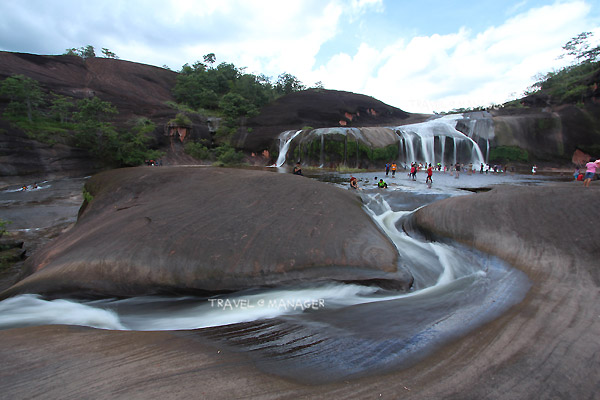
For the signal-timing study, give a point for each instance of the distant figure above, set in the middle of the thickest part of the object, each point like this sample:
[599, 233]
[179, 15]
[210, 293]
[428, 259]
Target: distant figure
[387, 169]
[457, 169]
[382, 184]
[576, 173]
[481, 169]
[590, 171]
[394, 169]
[297, 169]
[24, 188]
[429, 181]
[534, 169]
[413, 171]
[353, 183]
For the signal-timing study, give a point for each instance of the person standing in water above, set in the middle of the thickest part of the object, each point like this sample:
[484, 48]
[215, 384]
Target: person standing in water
[429, 181]
[387, 169]
[457, 169]
[394, 169]
[590, 171]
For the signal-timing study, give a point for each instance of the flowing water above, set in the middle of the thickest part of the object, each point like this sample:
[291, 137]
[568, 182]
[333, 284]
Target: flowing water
[440, 271]
[436, 140]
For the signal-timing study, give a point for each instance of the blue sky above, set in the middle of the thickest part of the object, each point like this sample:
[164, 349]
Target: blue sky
[421, 56]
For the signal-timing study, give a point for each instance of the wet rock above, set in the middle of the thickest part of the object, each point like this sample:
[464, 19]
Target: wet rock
[184, 229]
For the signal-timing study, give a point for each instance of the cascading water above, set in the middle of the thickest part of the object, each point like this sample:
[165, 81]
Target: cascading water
[428, 141]
[440, 128]
[285, 139]
[439, 271]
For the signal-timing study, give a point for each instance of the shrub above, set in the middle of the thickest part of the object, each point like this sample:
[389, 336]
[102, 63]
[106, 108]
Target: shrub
[509, 153]
[198, 151]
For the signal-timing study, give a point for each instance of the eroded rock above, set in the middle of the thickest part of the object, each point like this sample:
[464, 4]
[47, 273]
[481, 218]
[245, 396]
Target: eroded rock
[189, 229]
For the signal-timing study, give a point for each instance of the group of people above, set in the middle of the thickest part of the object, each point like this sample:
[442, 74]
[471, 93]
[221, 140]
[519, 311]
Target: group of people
[391, 166]
[414, 168]
[32, 187]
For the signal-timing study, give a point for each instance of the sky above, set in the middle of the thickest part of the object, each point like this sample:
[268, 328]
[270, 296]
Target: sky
[421, 56]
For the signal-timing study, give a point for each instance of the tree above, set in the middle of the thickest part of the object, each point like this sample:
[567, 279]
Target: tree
[61, 107]
[92, 130]
[235, 106]
[288, 83]
[83, 52]
[130, 148]
[210, 58]
[109, 54]
[25, 95]
[579, 48]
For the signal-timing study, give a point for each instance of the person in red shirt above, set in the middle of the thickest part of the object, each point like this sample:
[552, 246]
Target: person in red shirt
[429, 175]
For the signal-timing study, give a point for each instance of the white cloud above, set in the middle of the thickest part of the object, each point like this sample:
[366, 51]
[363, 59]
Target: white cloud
[418, 74]
[441, 72]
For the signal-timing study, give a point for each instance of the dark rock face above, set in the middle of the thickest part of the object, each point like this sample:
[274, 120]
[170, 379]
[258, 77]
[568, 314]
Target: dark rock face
[318, 108]
[183, 229]
[22, 157]
[551, 133]
[136, 90]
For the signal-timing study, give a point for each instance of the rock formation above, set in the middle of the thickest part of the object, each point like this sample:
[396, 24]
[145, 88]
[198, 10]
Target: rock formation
[204, 230]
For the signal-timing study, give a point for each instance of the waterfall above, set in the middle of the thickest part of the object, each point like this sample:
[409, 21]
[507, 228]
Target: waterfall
[285, 139]
[443, 147]
[441, 128]
[454, 141]
[415, 142]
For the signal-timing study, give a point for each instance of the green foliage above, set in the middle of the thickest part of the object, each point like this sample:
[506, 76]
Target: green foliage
[181, 120]
[287, 83]
[87, 196]
[574, 83]
[198, 151]
[579, 48]
[61, 107]
[83, 52]
[3, 224]
[25, 96]
[227, 155]
[234, 106]
[509, 153]
[387, 153]
[109, 54]
[131, 148]
[83, 124]
[227, 90]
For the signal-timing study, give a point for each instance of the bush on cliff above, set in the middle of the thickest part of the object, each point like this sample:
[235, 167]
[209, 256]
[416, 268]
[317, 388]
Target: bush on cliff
[577, 82]
[85, 124]
[509, 153]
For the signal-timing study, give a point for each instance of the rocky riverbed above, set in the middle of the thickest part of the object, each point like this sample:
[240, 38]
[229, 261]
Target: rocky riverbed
[542, 347]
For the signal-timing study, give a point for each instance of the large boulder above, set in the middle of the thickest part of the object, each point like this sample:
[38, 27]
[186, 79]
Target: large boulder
[205, 230]
[319, 108]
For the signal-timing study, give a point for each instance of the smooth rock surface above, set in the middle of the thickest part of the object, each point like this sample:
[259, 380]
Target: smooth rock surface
[188, 229]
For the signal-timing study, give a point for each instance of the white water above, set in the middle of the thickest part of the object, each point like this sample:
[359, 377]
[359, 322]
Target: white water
[31, 187]
[285, 139]
[427, 132]
[420, 143]
[434, 266]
